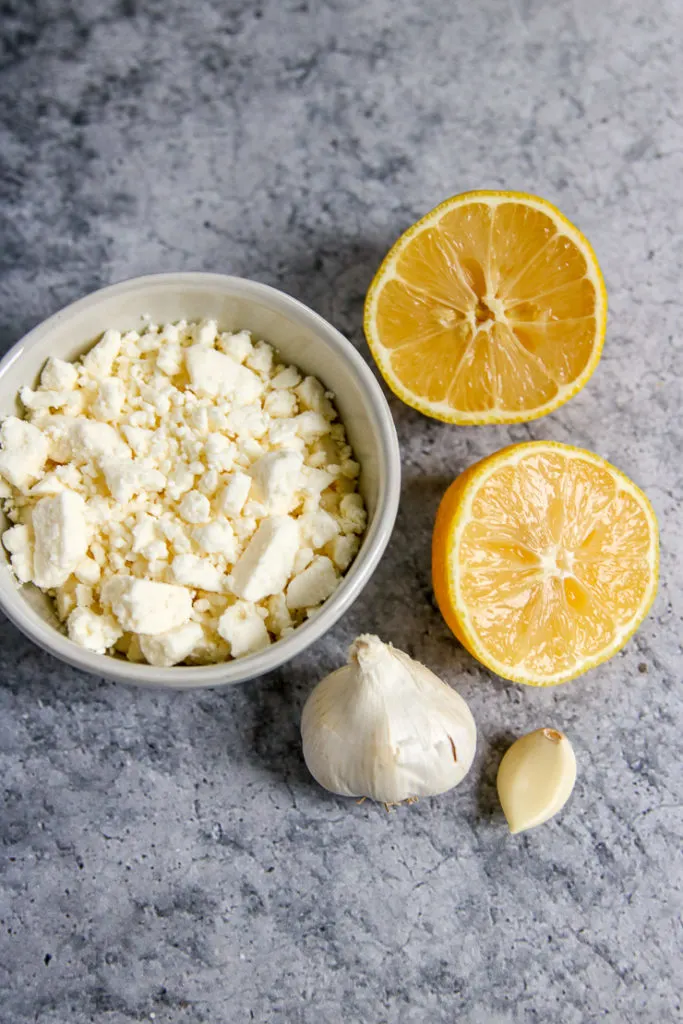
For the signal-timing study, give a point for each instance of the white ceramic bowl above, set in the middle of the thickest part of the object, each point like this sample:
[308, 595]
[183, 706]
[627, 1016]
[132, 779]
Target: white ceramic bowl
[303, 338]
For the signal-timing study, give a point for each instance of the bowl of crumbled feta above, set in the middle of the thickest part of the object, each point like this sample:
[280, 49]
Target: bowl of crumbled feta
[198, 475]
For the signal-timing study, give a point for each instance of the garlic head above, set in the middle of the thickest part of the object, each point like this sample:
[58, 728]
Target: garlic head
[535, 778]
[385, 727]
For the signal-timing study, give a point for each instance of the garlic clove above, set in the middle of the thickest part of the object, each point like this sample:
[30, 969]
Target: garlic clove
[535, 778]
[385, 727]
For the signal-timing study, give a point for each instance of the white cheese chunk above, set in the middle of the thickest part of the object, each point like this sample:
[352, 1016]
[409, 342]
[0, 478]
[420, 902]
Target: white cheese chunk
[195, 508]
[235, 493]
[82, 440]
[304, 557]
[312, 396]
[266, 564]
[126, 478]
[238, 346]
[46, 399]
[353, 515]
[193, 571]
[111, 396]
[220, 452]
[88, 571]
[261, 357]
[18, 541]
[342, 550]
[318, 528]
[212, 373]
[179, 481]
[279, 618]
[98, 362]
[170, 358]
[24, 451]
[58, 375]
[205, 333]
[311, 425]
[49, 484]
[217, 538]
[281, 404]
[286, 379]
[314, 585]
[171, 648]
[244, 629]
[145, 606]
[62, 534]
[95, 632]
[276, 478]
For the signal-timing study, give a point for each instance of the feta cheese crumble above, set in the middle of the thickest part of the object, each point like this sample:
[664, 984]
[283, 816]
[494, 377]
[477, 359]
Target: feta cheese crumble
[183, 495]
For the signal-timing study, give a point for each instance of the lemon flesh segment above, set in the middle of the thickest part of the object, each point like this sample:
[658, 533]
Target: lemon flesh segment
[490, 309]
[548, 563]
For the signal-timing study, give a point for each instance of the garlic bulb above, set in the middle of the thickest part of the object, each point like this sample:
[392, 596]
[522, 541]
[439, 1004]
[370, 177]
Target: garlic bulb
[385, 727]
[535, 778]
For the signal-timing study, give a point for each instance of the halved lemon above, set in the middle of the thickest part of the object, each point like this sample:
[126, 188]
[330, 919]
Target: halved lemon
[491, 309]
[544, 561]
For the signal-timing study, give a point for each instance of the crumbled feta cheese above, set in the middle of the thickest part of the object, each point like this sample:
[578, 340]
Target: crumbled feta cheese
[66, 599]
[244, 629]
[170, 358]
[18, 542]
[145, 606]
[279, 618]
[313, 585]
[179, 482]
[95, 632]
[58, 375]
[111, 396]
[193, 571]
[238, 346]
[266, 564]
[304, 557]
[342, 550]
[261, 357]
[126, 478]
[45, 399]
[82, 440]
[220, 452]
[353, 515]
[276, 479]
[98, 362]
[205, 333]
[286, 379]
[212, 374]
[312, 396]
[281, 404]
[162, 461]
[61, 535]
[195, 508]
[87, 571]
[217, 538]
[84, 595]
[24, 451]
[318, 528]
[234, 494]
[311, 425]
[171, 648]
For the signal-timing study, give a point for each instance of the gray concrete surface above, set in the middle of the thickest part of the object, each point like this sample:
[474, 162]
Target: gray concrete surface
[166, 857]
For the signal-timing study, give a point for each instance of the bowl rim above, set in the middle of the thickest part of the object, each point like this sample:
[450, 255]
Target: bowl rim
[376, 539]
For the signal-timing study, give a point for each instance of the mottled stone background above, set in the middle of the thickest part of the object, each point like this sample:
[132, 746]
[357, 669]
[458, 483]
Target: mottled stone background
[167, 857]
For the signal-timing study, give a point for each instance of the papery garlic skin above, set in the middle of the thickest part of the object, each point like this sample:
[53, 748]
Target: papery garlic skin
[536, 778]
[386, 727]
